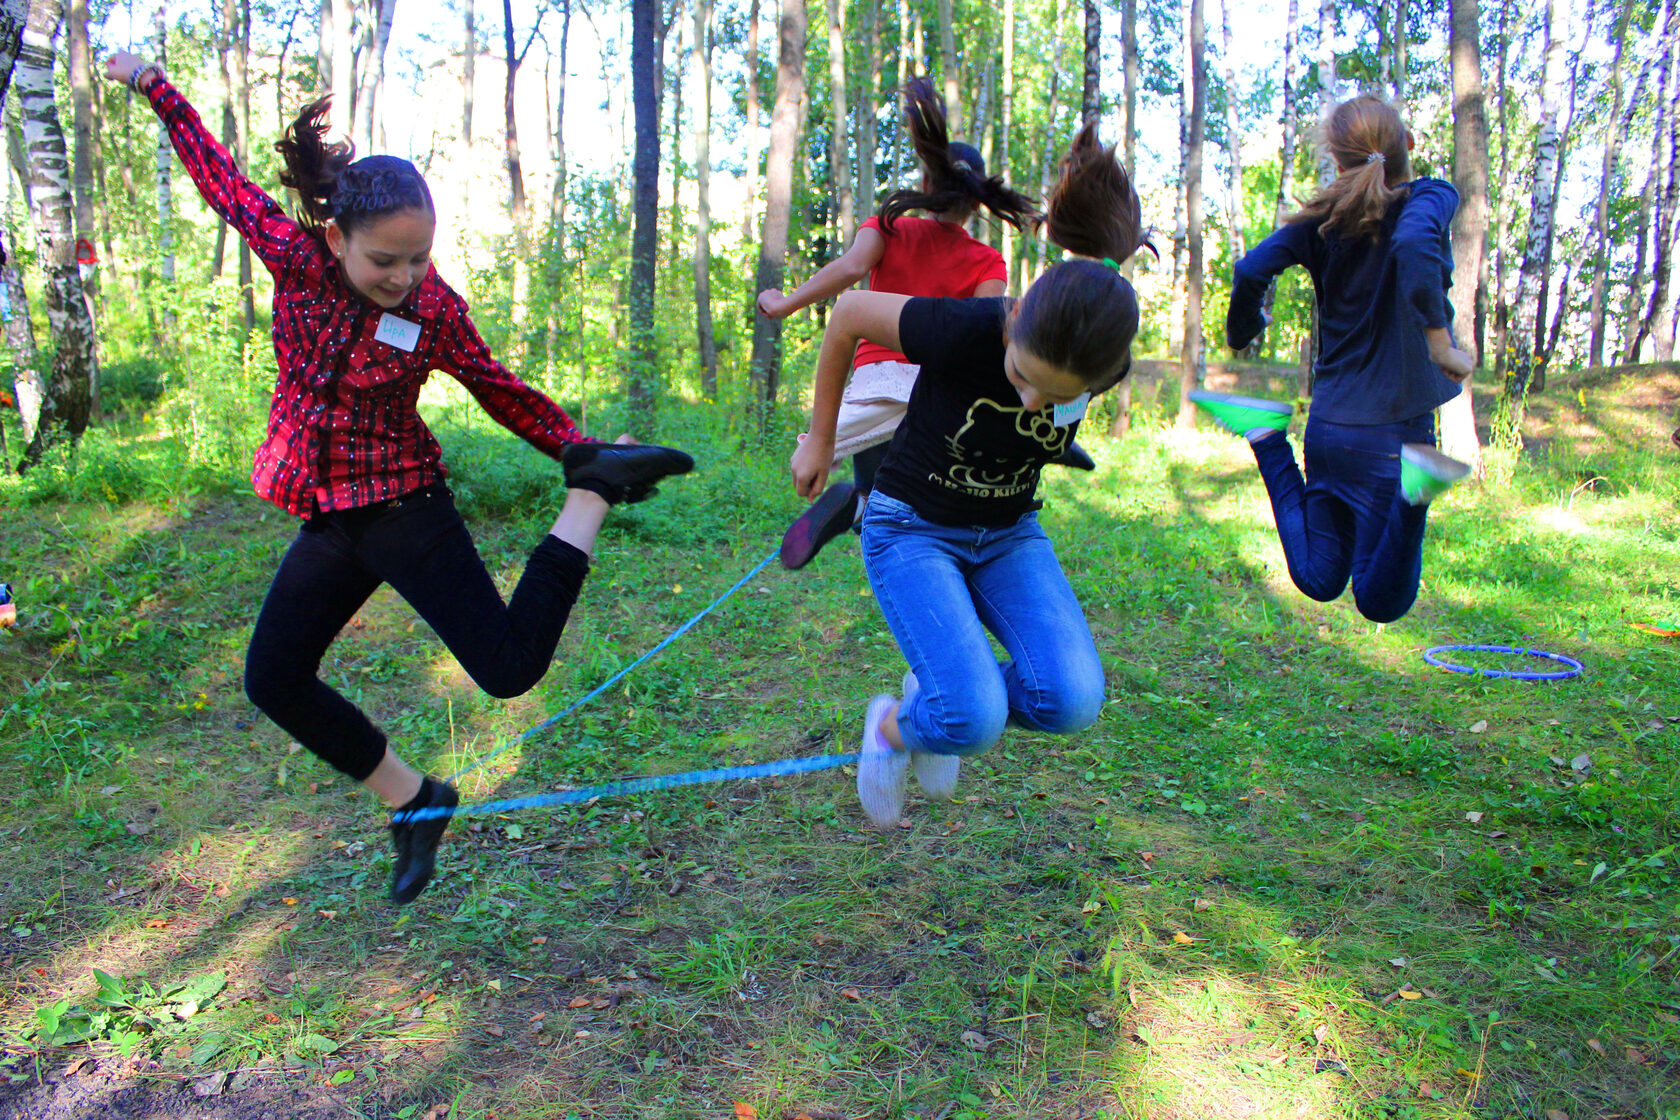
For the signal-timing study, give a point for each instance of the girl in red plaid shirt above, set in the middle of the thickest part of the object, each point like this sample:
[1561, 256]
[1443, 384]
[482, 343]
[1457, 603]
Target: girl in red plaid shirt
[360, 320]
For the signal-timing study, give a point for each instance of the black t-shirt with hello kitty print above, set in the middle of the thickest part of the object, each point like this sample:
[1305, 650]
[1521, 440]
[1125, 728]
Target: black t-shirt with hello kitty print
[967, 452]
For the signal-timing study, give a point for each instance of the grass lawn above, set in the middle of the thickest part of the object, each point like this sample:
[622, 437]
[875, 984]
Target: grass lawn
[1291, 872]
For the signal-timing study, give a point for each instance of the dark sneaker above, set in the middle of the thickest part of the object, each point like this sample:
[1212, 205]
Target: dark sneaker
[415, 842]
[1075, 457]
[828, 517]
[622, 472]
[1426, 474]
[1243, 416]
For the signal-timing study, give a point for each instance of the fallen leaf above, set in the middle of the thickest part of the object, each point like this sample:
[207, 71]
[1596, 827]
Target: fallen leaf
[1200, 904]
[1595, 1046]
[1146, 856]
[1182, 938]
[1634, 1057]
[745, 1111]
[289, 901]
[579, 1001]
[139, 828]
[1320, 1033]
[1398, 962]
[1407, 994]
[974, 1040]
[436, 1112]
[1556, 1114]
[328, 914]
[494, 1032]
[157, 923]
[1473, 818]
[539, 940]
[1581, 763]
[1478, 727]
[1426, 1090]
[852, 994]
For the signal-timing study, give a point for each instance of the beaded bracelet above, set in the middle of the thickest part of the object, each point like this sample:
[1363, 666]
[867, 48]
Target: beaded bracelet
[140, 72]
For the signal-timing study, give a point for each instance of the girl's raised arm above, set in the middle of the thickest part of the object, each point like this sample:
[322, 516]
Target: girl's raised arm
[856, 315]
[245, 206]
[829, 280]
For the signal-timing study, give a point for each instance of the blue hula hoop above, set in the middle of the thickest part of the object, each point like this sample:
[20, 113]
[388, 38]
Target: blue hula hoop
[1573, 668]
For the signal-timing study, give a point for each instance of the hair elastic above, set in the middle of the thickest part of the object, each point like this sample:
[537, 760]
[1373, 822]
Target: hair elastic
[1111, 263]
[1376, 157]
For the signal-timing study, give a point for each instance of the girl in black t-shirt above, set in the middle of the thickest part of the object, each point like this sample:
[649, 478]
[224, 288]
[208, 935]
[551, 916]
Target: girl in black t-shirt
[951, 539]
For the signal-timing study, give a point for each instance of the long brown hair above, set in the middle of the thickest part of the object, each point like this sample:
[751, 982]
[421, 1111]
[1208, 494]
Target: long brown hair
[1371, 148]
[331, 187]
[1082, 315]
[956, 174]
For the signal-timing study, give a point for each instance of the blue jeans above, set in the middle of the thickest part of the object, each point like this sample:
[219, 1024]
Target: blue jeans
[1347, 521]
[941, 589]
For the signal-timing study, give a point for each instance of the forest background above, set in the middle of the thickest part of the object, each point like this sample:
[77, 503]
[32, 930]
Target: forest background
[691, 155]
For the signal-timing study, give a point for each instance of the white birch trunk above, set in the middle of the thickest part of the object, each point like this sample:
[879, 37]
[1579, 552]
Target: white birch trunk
[373, 68]
[839, 120]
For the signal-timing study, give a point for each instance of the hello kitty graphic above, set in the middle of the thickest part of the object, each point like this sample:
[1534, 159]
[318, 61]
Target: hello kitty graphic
[978, 470]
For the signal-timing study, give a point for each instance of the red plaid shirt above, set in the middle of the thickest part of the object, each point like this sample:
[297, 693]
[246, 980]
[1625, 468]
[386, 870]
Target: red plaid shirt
[343, 430]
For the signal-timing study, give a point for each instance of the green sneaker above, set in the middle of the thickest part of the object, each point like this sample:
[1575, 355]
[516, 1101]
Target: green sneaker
[1425, 473]
[1243, 415]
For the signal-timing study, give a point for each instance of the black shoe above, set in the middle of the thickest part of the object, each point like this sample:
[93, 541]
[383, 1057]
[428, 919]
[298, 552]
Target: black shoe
[1075, 457]
[415, 842]
[622, 472]
[828, 517]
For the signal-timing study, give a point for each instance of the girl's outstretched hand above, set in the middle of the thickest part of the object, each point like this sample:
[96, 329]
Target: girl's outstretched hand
[772, 304]
[120, 67]
[810, 465]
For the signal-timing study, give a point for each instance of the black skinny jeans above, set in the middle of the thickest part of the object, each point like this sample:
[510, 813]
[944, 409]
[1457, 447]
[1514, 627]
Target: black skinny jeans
[420, 546]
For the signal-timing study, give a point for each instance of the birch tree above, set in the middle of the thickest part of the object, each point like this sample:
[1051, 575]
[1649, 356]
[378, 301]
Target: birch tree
[1090, 100]
[1658, 320]
[1521, 357]
[1601, 211]
[748, 222]
[68, 402]
[372, 76]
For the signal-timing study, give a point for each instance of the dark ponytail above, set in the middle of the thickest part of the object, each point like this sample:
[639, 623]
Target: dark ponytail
[956, 173]
[331, 187]
[1082, 315]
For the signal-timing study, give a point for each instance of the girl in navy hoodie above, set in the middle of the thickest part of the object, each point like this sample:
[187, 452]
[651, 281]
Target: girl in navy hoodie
[1375, 241]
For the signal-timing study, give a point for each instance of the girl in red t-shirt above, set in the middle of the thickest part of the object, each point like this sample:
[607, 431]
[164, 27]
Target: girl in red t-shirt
[932, 256]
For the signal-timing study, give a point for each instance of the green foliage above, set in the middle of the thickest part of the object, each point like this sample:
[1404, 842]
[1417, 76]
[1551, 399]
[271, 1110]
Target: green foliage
[125, 1013]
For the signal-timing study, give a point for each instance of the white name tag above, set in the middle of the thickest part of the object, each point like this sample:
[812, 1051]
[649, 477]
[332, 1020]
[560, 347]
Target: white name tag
[398, 332]
[1064, 414]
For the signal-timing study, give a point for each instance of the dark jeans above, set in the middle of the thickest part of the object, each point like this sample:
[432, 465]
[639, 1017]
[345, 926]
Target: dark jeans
[420, 546]
[1347, 521]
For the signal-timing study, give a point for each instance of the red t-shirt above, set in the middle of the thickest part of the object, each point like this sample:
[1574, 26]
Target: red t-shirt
[924, 257]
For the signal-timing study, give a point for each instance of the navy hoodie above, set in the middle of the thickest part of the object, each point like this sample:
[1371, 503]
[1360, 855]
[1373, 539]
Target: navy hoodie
[1375, 299]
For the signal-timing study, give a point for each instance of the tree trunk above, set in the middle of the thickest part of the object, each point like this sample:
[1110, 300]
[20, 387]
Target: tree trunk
[1658, 321]
[324, 45]
[1601, 212]
[1007, 115]
[1191, 358]
[344, 66]
[469, 63]
[1502, 215]
[1178, 292]
[1122, 423]
[866, 136]
[242, 102]
[230, 139]
[165, 165]
[68, 402]
[839, 119]
[680, 62]
[81, 104]
[1047, 163]
[1090, 94]
[948, 68]
[373, 73]
[1400, 63]
[1543, 202]
[1291, 113]
[1233, 137]
[748, 232]
[1326, 81]
[644, 247]
[1543, 349]
[1469, 230]
[778, 199]
[705, 341]
[556, 260]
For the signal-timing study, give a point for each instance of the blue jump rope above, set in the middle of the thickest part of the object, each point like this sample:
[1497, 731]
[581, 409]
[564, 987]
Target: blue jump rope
[626, 786]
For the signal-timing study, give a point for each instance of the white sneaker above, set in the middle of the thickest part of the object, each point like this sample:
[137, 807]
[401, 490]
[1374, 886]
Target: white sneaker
[881, 770]
[937, 773]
